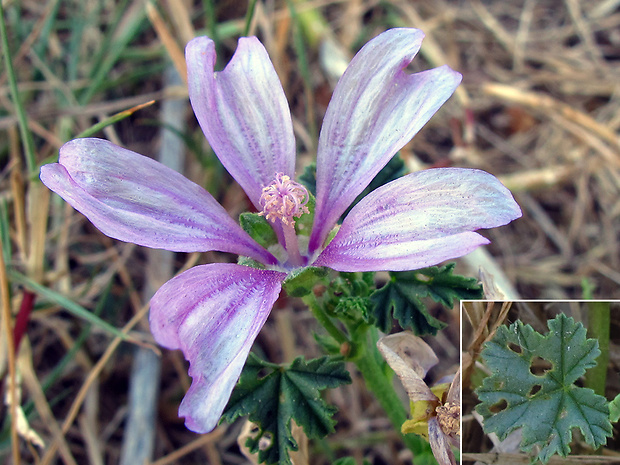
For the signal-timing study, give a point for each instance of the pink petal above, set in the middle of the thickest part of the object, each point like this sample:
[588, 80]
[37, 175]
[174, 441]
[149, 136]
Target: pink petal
[377, 107]
[420, 220]
[243, 112]
[213, 313]
[133, 198]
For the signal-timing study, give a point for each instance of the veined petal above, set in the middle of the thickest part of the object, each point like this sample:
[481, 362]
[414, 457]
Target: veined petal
[454, 394]
[243, 112]
[440, 443]
[420, 220]
[213, 313]
[133, 198]
[412, 349]
[410, 371]
[377, 107]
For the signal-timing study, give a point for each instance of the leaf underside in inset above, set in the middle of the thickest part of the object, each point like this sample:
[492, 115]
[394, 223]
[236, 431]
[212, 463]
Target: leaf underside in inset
[546, 405]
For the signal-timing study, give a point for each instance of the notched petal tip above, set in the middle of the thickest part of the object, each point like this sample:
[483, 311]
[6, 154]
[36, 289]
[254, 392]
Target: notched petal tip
[51, 175]
[213, 313]
[133, 198]
[243, 112]
[376, 108]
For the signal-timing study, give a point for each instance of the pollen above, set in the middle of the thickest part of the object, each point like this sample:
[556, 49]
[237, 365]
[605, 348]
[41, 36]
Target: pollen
[449, 416]
[284, 199]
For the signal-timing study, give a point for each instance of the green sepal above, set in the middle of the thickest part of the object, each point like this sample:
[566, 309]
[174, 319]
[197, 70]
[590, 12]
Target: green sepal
[352, 307]
[402, 297]
[273, 395]
[258, 228]
[546, 406]
[327, 343]
[300, 282]
[247, 261]
[346, 298]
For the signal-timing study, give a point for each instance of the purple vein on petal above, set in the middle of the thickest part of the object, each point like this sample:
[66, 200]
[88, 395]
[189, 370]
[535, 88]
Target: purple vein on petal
[133, 198]
[420, 220]
[213, 313]
[375, 110]
[243, 112]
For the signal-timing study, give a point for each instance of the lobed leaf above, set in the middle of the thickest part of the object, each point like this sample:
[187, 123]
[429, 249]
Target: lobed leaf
[614, 409]
[402, 297]
[285, 393]
[546, 406]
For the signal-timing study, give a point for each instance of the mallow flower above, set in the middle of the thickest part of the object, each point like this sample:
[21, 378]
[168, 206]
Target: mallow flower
[214, 312]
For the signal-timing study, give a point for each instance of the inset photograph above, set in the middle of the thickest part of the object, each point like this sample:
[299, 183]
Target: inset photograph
[541, 382]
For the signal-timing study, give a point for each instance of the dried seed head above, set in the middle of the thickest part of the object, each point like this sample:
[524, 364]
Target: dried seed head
[449, 418]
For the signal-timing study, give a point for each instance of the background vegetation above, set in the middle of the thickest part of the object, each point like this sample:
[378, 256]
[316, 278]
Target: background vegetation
[538, 107]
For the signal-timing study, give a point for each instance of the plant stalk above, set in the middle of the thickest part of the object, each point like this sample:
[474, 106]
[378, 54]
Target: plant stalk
[598, 327]
[383, 389]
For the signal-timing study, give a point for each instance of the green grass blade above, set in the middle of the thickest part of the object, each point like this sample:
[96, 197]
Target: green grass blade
[113, 119]
[304, 69]
[66, 303]
[248, 17]
[4, 230]
[27, 140]
[131, 24]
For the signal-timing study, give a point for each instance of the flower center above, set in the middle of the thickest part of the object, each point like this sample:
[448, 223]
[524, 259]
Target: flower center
[284, 199]
[448, 416]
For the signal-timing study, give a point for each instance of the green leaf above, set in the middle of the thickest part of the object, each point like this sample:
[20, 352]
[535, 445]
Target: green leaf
[258, 228]
[614, 409]
[301, 281]
[403, 295]
[283, 394]
[547, 406]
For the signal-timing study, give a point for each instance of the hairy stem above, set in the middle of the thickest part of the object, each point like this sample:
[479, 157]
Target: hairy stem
[324, 319]
[369, 364]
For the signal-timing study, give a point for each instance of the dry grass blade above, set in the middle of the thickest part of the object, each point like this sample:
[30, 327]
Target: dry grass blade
[166, 37]
[538, 108]
[195, 444]
[541, 102]
[9, 349]
[92, 376]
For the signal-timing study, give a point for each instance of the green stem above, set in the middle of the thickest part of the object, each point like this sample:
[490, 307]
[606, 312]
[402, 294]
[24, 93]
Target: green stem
[324, 319]
[27, 141]
[381, 385]
[598, 327]
[363, 352]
